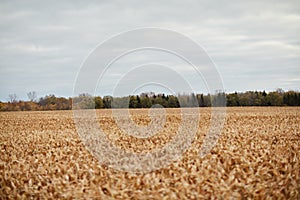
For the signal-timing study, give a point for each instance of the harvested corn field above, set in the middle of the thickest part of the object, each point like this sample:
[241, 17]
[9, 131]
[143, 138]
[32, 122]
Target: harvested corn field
[257, 156]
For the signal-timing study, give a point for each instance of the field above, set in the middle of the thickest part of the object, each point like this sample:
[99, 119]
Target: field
[256, 157]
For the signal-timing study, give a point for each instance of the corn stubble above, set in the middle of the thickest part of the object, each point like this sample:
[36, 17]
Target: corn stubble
[257, 156]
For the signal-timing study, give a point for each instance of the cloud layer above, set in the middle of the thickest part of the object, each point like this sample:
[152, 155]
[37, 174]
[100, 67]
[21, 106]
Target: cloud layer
[255, 44]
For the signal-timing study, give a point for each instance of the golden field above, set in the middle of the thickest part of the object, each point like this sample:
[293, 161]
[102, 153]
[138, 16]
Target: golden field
[256, 157]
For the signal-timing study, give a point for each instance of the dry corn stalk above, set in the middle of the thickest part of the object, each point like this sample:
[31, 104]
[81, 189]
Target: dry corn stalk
[41, 156]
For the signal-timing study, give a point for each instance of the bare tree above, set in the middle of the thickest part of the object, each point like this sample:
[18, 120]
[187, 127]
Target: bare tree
[12, 98]
[31, 95]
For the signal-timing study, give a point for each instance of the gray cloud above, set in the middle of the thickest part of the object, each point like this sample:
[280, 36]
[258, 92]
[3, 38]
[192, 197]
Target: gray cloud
[255, 44]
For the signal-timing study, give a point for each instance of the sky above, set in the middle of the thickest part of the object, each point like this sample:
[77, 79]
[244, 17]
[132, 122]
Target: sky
[255, 45]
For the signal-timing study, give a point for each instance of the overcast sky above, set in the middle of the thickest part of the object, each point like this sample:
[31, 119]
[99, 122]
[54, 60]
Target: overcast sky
[254, 44]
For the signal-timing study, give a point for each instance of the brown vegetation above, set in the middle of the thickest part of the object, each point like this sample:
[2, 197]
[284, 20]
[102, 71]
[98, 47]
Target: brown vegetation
[257, 156]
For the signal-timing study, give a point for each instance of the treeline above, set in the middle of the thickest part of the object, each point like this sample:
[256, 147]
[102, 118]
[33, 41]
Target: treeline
[275, 98]
[49, 102]
[147, 100]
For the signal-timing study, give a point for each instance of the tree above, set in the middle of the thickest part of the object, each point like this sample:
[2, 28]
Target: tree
[98, 102]
[84, 101]
[107, 100]
[48, 102]
[160, 100]
[51, 102]
[219, 99]
[275, 99]
[280, 91]
[173, 102]
[138, 99]
[133, 103]
[232, 99]
[207, 100]
[264, 93]
[291, 98]
[200, 99]
[12, 98]
[192, 100]
[120, 102]
[31, 96]
[145, 102]
[183, 100]
[62, 103]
